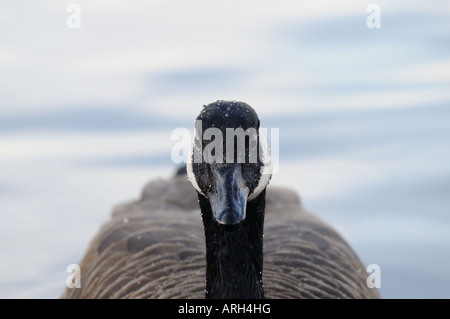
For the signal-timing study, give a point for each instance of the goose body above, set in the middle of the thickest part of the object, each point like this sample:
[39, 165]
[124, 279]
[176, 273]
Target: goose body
[254, 241]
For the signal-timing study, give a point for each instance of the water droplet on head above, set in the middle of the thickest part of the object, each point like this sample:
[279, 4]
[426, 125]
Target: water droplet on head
[125, 220]
[226, 114]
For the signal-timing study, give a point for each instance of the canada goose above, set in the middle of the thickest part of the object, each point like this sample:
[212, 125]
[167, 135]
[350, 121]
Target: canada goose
[157, 247]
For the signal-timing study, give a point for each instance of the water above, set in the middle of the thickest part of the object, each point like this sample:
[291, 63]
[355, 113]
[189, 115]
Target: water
[363, 117]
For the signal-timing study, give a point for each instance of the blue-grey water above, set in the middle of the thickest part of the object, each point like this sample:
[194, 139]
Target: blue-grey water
[86, 116]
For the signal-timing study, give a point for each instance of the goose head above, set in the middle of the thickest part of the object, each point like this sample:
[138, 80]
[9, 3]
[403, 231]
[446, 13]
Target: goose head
[229, 162]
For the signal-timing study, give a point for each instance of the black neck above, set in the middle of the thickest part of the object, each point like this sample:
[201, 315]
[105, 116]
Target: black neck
[234, 259]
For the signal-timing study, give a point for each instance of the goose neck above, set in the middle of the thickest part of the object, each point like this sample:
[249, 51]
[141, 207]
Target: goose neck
[234, 258]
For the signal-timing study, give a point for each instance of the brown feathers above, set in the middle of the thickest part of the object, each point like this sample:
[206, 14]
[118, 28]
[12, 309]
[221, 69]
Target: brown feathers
[154, 247]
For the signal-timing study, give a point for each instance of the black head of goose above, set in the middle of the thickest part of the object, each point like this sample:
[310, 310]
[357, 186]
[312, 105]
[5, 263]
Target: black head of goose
[156, 247]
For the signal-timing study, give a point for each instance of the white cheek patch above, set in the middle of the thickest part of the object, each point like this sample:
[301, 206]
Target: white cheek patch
[266, 168]
[189, 164]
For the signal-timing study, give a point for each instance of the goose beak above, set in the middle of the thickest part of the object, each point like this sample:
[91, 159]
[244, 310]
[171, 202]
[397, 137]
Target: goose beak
[228, 197]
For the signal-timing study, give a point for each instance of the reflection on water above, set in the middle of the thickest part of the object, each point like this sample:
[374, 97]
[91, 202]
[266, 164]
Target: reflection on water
[363, 117]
